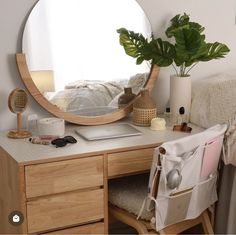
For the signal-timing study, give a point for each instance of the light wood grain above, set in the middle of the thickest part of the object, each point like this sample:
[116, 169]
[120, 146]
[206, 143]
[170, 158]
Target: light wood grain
[145, 227]
[96, 228]
[63, 176]
[11, 193]
[206, 223]
[129, 162]
[107, 118]
[67, 209]
[106, 222]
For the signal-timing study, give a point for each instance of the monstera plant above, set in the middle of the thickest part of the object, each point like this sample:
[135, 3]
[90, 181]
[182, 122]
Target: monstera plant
[189, 47]
[186, 48]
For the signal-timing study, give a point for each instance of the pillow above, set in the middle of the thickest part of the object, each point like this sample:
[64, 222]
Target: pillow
[213, 100]
[81, 83]
[137, 82]
[114, 101]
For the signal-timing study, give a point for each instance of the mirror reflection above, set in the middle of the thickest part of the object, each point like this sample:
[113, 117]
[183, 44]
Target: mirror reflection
[74, 56]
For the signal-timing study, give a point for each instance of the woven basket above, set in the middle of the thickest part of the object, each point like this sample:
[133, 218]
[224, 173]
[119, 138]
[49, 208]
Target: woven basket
[144, 109]
[143, 117]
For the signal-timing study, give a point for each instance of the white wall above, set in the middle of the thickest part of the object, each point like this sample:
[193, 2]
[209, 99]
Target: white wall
[217, 16]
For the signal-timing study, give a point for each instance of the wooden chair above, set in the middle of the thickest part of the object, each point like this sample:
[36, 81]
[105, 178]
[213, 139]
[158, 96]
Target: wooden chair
[131, 192]
[143, 226]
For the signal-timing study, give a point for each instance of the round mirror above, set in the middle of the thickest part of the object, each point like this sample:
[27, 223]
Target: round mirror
[73, 64]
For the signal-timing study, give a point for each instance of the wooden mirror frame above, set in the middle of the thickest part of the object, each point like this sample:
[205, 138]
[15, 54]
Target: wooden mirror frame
[70, 117]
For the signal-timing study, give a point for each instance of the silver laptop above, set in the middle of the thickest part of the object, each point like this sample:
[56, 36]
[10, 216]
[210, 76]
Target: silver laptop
[107, 131]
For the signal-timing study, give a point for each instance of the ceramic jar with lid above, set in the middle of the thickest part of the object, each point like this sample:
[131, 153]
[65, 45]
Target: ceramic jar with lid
[126, 97]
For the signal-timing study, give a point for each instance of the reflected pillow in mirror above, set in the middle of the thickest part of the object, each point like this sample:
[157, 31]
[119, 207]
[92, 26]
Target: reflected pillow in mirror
[114, 102]
[85, 83]
[81, 83]
[137, 82]
[86, 96]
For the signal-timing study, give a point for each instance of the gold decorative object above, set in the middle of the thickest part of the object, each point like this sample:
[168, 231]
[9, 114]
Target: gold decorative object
[17, 102]
[144, 109]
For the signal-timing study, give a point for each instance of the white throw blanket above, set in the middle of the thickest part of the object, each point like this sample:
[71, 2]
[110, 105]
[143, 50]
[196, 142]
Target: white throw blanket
[230, 142]
[214, 101]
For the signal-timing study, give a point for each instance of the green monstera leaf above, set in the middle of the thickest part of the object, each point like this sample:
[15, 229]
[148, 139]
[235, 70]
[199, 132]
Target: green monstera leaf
[188, 49]
[182, 22]
[189, 46]
[162, 52]
[135, 45]
[156, 51]
[215, 50]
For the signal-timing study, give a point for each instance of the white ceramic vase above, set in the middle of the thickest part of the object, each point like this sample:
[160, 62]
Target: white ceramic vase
[180, 96]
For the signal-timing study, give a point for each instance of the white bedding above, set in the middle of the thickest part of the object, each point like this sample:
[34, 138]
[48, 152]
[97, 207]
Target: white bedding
[85, 95]
[214, 101]
[85, 83]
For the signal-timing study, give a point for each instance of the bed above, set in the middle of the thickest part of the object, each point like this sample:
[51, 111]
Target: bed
[94, 97]
[214, 101]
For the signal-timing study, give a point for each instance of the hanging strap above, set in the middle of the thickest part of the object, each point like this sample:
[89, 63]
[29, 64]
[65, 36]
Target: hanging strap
[143, 205]
[152, 190]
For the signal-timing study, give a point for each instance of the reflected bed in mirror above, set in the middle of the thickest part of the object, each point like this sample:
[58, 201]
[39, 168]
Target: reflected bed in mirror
[79, 96]
[74, 65]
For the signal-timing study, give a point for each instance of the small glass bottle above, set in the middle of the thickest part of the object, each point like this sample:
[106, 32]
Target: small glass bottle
[167, 117]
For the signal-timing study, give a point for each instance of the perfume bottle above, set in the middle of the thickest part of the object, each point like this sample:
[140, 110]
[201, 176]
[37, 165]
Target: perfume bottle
[167, 116]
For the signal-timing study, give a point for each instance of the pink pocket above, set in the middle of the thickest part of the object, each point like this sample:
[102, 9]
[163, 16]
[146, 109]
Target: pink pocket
[211, 156]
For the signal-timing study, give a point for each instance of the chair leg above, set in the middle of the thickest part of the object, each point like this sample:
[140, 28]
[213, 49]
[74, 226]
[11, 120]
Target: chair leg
[211, 214]
[141, 228]
[206, 224]
[162, 232]
[186, 224]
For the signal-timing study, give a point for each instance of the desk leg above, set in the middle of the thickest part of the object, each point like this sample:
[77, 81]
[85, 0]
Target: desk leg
[105, 172]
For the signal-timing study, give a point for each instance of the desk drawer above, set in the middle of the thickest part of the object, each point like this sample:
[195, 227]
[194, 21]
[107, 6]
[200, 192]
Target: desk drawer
[63, 176]
[96, 228]
[129, 161]
[63, 210]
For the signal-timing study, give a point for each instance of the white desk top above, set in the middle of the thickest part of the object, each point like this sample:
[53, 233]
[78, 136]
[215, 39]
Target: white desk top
[26, 153]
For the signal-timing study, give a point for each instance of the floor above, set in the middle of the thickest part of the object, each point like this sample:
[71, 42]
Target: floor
[120, 228]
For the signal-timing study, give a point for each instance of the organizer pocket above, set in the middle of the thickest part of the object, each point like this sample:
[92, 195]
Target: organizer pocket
[172, 209]
[186, 204]
[211, 157]
[204, 194]
[178, 205]
[189, 166]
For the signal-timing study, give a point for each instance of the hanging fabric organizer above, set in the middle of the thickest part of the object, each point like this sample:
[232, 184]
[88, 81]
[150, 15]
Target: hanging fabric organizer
[196, 190]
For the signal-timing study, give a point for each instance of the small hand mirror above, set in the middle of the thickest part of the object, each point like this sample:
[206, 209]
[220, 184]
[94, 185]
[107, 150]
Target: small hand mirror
[17, 102]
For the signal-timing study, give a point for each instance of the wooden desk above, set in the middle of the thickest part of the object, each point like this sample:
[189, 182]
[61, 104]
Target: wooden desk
[64, 190]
